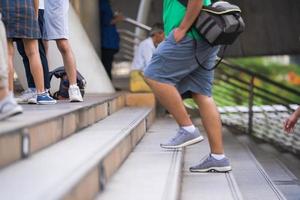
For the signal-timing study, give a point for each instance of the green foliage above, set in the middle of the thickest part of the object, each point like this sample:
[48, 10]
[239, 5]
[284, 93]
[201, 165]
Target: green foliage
[268, 67]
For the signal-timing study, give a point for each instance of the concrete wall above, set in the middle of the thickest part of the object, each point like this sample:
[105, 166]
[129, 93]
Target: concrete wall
[272, 27]
[88, 12]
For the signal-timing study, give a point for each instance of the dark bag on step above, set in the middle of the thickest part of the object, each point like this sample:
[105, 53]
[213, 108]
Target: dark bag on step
[61, 74]
[220, 23]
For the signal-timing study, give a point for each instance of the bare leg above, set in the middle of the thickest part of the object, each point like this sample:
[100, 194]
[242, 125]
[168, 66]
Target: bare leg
[3, 93]
[169, 97]
[68, 58]
[10, 47]
[32, 52]
[211, 121]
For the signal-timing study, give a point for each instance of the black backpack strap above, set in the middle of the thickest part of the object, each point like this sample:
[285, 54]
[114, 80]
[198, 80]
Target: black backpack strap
[200, 64]
[216, 65]
[184, 2]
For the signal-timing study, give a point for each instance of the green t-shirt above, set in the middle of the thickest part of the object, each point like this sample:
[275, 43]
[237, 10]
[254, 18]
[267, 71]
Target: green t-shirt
[173, 14]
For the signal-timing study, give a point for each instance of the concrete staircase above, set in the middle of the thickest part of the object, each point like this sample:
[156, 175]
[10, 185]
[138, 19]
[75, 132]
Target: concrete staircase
[42, 126]
[43, 158]
[149, 172]
[108, 149]
[154, 173]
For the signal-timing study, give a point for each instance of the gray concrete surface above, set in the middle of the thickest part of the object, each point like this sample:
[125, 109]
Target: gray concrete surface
[282, 167]
[53, 172]
[206, 186]
[149, 173]
[34, 114]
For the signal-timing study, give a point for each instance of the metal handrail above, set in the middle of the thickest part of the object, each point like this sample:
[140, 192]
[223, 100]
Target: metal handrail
[137, 24]
[129, 38]
[258, 88]
[254, 91]
[260, 76]
[129, 33]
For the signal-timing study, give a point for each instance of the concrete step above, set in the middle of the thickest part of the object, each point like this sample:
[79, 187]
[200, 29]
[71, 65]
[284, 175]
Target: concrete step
[206, 186]
[247, 180]
[42, 126]
[80, 166]
[251, 177]
[282, 167]
[150, 172]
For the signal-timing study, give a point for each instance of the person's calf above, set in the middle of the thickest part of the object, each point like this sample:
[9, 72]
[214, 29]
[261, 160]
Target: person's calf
[3, 93]
[170, 98]
[211, 121]
[63, 46]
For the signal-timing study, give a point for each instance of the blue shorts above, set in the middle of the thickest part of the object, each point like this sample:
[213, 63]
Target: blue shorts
[175, 63]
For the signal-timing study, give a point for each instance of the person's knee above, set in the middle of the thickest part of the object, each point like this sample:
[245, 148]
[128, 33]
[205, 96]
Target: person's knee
[63, 46]
[202, 98]
[149, 81]
[10, 52]
[31, 52]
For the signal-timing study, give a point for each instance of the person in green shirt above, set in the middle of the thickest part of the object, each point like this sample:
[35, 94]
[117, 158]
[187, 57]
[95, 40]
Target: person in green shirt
[173, 70]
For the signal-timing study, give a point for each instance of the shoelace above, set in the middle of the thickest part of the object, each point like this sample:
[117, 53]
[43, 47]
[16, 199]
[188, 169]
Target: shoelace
[204, 159]
[26, 93]
[179, 132]
[74, 91]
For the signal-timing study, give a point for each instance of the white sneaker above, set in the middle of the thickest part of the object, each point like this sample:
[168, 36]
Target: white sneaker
[25, 96]
[74, 94]
[9, 107]
[33, 99]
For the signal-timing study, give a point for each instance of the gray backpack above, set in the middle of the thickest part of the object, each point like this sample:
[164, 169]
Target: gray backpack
[220, 23]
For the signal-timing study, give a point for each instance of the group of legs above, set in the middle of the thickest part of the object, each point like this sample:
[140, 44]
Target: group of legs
[25, 26]
[171, 99]
[69, 63]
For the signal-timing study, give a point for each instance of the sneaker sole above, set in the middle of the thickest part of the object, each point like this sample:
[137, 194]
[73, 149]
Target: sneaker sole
[31, 102]
[18, 110]
[213, 169]
[22, 102]
[188, 143]
[76, 100]
[46, 103]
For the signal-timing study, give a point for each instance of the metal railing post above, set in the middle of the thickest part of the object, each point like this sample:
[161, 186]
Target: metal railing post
[251, 100]
[142, 16]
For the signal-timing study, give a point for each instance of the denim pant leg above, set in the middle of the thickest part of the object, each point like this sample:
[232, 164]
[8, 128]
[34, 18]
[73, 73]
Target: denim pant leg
[43, 51]
[21, 50]
[44, 64]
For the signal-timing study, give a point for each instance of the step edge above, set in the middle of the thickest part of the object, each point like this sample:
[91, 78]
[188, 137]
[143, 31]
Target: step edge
[95, 162]
[23, 131]
[107, 100]
[269, 181]
[234, 188]
[173, 187]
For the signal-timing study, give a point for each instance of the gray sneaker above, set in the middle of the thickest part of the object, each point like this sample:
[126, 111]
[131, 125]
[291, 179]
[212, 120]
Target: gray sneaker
[183, 138]
[9, 107]
[210, 164]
